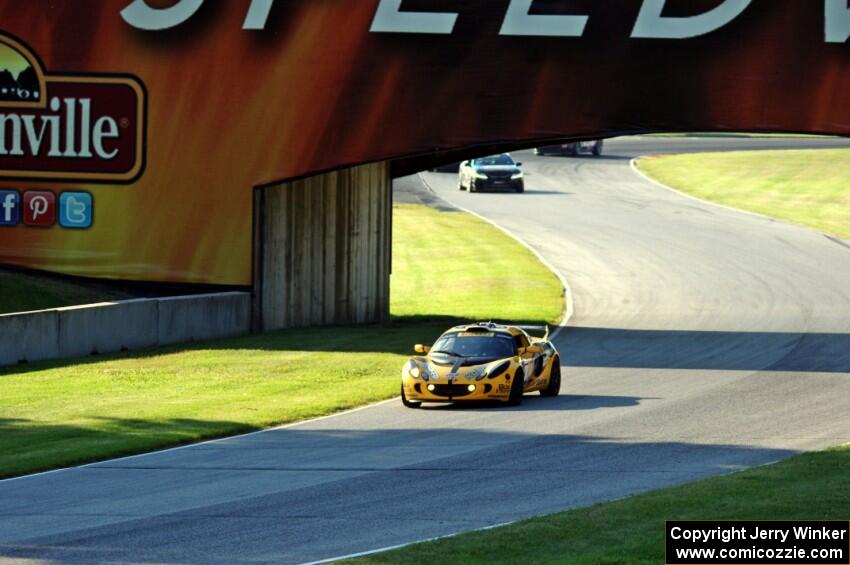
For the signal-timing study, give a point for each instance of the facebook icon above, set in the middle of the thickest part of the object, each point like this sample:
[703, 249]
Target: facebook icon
[10, 208]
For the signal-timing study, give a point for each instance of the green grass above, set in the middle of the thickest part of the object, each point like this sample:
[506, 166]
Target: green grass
[453, 264]
[21, 292]
[807, 187]
[61, 413]
[813, 486]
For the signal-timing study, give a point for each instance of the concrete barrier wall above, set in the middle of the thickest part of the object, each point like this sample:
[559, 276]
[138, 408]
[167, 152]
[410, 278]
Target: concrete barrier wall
[31, 336]
[107, 328]
[199, 318]
[126, 325]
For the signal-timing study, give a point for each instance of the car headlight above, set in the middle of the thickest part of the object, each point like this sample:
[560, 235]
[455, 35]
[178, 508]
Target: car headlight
[517, 176]
[412, 369]
[497, 369]
[481, 176]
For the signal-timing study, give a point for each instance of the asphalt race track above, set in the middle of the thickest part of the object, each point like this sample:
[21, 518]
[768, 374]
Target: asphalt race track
[704, 341]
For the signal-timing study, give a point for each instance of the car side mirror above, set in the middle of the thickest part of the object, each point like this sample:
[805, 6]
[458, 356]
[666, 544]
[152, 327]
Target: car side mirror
[419, 348]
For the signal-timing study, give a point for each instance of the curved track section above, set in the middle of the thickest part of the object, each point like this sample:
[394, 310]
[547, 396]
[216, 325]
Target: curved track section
[704, 341]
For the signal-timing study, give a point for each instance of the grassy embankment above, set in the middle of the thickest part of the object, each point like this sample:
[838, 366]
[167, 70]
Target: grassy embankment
[447, 266]
[813, 486]
[806, 187]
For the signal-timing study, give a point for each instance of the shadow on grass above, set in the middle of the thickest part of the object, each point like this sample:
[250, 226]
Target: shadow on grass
[397, 336]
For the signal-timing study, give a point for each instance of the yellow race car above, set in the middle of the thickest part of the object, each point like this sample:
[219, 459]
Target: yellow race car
[483, 361]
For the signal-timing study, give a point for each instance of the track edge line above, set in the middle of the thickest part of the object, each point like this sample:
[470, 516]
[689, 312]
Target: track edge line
[203, 442]
[569, 306]
[633, 164]
[401, 545]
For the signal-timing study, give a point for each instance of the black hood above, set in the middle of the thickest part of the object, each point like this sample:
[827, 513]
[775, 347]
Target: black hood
[444, 360]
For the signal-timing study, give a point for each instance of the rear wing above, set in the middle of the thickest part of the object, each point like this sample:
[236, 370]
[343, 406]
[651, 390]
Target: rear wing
[544, 329]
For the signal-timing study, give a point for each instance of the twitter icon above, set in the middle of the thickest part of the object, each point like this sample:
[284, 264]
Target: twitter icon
[76, 210]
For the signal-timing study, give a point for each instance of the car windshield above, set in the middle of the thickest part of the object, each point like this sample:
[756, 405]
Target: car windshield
[503, 159]
[491, 345]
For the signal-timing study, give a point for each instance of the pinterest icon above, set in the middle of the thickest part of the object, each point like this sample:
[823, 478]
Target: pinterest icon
[39, 208]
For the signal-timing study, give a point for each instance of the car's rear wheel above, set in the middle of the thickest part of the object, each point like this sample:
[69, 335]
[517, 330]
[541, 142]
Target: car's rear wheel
[406, 402]
[517, 388]
[554, 386]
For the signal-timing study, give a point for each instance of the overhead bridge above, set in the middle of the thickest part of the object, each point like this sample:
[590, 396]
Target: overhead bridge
[251, 144]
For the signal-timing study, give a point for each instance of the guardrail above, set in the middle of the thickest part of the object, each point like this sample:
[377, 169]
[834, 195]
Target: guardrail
[109, 327]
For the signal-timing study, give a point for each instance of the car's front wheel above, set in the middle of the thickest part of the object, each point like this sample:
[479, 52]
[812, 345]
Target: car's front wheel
[554, 386]
[406, 402]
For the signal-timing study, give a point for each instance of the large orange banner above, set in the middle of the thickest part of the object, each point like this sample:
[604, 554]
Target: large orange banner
[132, 133]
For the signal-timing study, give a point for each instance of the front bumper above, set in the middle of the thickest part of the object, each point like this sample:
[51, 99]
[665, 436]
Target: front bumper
[443, 390]
[499, 184]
